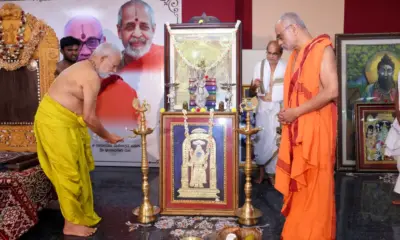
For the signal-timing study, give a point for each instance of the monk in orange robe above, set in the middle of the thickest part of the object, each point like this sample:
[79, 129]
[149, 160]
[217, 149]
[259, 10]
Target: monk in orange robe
[305, 167]
[114, 102]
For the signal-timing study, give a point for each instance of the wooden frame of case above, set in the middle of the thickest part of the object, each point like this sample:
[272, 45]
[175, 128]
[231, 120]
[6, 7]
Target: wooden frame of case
[190, 26]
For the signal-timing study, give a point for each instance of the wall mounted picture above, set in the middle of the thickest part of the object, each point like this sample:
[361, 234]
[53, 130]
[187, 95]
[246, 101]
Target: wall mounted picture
[373, 122]
[368, 67]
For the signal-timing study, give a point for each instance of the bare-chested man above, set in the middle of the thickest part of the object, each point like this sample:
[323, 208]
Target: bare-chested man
[63, 142]
[69, 47]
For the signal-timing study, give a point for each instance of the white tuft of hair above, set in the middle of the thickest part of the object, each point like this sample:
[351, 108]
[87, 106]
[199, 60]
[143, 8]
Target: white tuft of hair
[289, 18]
[107, 49]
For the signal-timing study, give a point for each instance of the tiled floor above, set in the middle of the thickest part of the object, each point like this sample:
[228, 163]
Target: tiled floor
[363, 203]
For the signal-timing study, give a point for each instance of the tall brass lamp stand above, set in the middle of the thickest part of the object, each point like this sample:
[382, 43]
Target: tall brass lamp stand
[247, 214]
[146, 213]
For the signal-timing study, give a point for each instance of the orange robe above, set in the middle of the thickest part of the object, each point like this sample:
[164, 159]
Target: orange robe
[304, 173]
[114, 102]
[151, 61]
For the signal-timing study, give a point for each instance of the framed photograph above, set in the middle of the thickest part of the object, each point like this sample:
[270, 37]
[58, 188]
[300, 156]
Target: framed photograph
[203, 59]
[246, 92]
[368, 67]
[199, 166]
[373, 122]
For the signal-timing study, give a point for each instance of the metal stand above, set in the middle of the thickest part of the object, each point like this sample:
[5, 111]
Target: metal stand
[247, 214]
[146, 213]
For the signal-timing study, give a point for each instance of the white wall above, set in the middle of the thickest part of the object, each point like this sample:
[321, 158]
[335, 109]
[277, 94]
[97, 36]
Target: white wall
[249, 60]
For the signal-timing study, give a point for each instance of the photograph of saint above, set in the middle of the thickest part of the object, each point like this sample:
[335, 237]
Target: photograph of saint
[136, 28]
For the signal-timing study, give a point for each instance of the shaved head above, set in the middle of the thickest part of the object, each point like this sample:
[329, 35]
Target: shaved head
[274, 53]
[291, 31]
[106, 50]
[274, 44]
[291, 18]
[106, 59]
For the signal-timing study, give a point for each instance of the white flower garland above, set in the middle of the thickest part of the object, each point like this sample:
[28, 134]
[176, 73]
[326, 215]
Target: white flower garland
[210, 122]
[213, 64]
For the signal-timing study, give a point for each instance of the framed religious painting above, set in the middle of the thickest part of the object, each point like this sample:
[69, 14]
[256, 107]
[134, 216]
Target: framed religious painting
[199, 166]
[203, 65]
[373, 122]
[368, 68]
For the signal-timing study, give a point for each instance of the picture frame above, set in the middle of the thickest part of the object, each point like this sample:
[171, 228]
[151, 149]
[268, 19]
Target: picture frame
[246, 91]
[188, 184]
[358, 56]
[373, 122]
[203, 54]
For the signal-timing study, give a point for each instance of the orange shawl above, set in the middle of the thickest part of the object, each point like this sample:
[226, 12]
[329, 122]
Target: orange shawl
[313, 132]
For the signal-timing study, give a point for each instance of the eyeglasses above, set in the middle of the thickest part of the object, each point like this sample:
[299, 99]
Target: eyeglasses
[279, 36]
[91, 43]
[275, 54]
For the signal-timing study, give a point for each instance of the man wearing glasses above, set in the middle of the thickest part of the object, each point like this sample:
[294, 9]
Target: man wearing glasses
[306, 159]
[88, 30]
[267, 84]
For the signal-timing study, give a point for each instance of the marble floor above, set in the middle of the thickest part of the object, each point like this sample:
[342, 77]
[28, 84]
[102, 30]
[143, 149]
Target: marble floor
[363, 203]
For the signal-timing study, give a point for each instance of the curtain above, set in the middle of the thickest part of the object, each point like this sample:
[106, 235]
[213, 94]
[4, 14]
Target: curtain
[368, 16]
[244, 13]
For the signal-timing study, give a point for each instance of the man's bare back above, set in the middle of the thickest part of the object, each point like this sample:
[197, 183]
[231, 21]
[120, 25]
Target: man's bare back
[67, 88]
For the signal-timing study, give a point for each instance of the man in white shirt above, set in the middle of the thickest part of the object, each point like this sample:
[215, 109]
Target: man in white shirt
[392, 143]
[267, 84]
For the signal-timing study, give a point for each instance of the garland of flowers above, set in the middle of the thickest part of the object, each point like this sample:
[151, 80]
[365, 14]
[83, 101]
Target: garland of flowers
[213, 64]
[28, 49]
[210, 122]
[5, 50]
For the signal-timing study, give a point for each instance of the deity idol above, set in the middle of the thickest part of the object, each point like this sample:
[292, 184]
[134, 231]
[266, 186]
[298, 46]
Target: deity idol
[198, 163]
[201, 92]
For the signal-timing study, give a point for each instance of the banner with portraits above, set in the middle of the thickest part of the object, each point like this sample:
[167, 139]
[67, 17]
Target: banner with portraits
[137, 28]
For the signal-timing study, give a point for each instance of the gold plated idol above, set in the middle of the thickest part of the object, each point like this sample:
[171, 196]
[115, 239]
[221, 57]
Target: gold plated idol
[247, 214]
[146, 213]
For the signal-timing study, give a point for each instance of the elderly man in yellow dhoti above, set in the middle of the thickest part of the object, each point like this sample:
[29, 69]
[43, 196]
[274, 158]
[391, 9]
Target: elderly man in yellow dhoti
[267, 84]
[63, 141]
[392, 143]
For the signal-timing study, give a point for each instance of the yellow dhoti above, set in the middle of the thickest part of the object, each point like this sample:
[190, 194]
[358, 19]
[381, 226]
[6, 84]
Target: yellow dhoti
[63, 148]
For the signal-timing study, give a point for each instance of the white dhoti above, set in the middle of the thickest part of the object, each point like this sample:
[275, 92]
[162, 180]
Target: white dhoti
[265, 141]
[266, 115]
[392, 149]
[397, 186]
